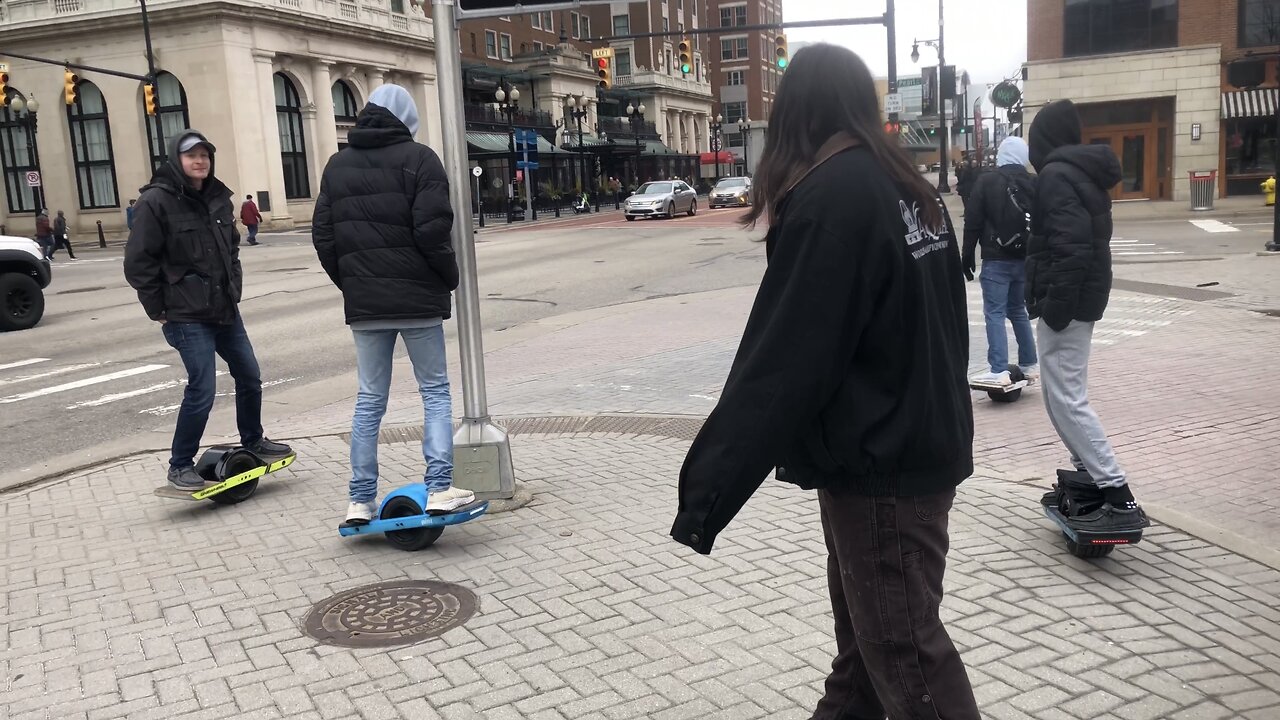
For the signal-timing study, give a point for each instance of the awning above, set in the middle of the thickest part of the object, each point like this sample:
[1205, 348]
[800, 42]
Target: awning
[1259, 102]
[724, 158]
[497, 143]
[655, 147]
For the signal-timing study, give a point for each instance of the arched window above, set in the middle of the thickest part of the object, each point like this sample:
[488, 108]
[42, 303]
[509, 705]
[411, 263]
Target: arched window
[344, 103]
[170, 119]
[293, 148]
[91, 148]
[17, 156]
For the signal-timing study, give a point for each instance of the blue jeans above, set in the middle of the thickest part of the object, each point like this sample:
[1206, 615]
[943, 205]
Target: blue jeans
[253, 232]
[1003, 296]
[197, 344]
[374, 350]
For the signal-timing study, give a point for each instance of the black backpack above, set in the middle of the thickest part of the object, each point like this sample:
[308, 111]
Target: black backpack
[1014, 227]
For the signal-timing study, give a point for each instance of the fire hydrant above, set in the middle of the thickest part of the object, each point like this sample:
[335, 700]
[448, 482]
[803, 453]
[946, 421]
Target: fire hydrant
[1269, 190]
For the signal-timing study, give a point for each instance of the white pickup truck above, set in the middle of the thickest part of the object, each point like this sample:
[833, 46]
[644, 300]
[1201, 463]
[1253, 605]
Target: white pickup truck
[24, 274]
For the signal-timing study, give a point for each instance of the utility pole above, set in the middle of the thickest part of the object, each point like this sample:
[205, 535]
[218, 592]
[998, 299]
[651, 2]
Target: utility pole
[943, 186]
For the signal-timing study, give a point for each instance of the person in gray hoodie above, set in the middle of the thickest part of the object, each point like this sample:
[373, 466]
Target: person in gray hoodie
[382, 230]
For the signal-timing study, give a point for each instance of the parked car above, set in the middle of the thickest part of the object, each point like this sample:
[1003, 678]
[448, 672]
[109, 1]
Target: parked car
[730, 192]
[665, 198]
[24, 274]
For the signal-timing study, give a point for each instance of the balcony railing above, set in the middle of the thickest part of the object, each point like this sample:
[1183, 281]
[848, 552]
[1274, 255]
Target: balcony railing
[623, 126]
[490, 115]
[650, 78]
[370, 13]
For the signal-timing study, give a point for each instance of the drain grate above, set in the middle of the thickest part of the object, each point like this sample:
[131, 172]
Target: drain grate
[401, 612]
[676, 427]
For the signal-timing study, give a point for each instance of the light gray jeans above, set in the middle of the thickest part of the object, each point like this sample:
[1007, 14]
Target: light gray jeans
[1064, 374]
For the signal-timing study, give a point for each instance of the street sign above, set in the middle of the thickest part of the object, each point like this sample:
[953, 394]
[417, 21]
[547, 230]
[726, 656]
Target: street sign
[597, 53]
[527, 146]
[1005, 95]
[477, 171]
[4, 67]
[893, 103]
[33, 179]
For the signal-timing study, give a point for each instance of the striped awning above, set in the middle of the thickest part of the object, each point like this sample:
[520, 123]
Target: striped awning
[1259, 102]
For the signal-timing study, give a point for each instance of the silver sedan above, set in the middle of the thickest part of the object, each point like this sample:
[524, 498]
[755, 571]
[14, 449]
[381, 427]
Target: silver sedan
[665, 198]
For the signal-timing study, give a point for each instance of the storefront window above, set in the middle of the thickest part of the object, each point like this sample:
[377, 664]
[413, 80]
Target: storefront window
[1251, 146]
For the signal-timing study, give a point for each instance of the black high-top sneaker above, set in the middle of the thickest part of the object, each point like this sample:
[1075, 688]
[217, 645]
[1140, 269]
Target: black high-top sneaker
[1074, 494]
[1119, 513]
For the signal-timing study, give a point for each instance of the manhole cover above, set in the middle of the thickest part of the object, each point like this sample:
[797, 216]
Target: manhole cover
[402, 612]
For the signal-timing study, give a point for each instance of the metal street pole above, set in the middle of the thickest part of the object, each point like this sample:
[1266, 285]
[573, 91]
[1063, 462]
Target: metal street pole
[943, 186]
[891, 26]
[482, 451]
[151, 71]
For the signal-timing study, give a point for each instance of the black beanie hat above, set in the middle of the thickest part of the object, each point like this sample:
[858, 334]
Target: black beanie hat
[1057, 124]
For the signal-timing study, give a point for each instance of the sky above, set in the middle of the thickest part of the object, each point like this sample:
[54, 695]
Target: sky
[988, 42]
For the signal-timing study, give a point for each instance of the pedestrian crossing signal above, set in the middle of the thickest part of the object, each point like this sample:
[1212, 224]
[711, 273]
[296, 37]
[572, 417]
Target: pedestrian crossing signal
[4, 89]
[69, 81]
[149, 98]
[780, 52]
[892, 128]
[604, 72]
[686, 56]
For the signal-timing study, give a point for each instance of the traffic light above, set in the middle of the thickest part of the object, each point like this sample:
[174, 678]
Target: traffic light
[4, 89]
[605, 72]
[780, 52]
[686, 56]
[893, 128]
[149, 98]
[69, 80]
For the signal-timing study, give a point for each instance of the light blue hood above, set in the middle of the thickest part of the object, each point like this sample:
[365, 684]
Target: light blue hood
[1013, 151]
[398, 101]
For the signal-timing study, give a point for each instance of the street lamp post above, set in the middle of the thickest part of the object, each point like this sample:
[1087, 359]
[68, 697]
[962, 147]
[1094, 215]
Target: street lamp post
[25, 112]
[508, 103]
[716, 142]
[577, 108]
[636, 113]
[745, 127]
[943, 186]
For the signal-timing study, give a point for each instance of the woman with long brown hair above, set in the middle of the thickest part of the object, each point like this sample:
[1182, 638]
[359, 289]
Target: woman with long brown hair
[850, 379]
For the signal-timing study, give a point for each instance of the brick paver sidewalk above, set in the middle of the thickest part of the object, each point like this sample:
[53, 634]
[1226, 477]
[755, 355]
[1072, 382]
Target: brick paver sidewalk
[121, 605]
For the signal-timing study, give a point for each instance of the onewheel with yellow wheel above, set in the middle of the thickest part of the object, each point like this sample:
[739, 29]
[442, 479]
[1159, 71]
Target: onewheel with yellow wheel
[231, 475]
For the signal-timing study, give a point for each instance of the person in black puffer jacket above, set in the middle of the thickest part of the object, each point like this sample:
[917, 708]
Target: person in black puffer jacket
[1068, 285]
[183, 259]
[382, 230]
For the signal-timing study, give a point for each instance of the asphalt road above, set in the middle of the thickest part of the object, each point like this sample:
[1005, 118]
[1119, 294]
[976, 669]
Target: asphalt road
[96, 370]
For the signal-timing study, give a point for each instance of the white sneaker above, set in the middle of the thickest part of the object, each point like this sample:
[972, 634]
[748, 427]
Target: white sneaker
[1031, 372]
[443, 501]
[360, 513]
[990, 378]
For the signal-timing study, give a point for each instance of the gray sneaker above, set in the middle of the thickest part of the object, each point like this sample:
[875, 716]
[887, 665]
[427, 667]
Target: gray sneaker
[186, 478]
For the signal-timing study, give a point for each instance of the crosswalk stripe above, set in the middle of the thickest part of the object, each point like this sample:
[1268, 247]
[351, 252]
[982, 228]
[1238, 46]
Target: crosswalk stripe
[1214, 226]
[23, 363]
[162, 410]
[59, 371]
[1150, 252]
[113, 397]
[129, 372]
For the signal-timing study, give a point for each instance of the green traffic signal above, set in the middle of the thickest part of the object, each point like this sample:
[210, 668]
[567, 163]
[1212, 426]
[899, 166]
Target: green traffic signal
[782, 63]
[685, 69]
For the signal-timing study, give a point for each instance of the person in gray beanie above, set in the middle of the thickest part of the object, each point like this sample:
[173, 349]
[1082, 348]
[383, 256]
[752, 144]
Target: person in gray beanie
[382, 230]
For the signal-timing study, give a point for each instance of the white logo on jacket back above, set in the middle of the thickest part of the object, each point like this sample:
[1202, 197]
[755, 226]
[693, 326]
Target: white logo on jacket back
[917, 231]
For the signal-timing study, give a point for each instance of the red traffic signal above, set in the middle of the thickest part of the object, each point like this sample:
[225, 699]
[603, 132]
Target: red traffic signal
[892, 128]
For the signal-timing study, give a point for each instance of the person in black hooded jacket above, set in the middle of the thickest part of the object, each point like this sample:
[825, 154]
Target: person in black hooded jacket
[382, 230]
[183, 259]
[1068, 285]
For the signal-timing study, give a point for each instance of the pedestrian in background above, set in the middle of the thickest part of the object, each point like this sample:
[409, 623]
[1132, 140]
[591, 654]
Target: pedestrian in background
[850, 378]
[128, 214]
[1068, 286]
[382, 230]
[183, 259]
[60, 237]
[998, 218]
[44, 234]
[250, 216]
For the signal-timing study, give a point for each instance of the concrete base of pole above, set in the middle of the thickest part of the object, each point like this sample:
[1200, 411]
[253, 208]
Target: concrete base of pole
[482, 460]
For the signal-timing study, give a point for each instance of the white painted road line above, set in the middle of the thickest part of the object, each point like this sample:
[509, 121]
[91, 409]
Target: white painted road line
[1149, 252]
[162, 410]
[59, 371]
[23, 363]
[132, 393]
[81, 383]
[1213, 226]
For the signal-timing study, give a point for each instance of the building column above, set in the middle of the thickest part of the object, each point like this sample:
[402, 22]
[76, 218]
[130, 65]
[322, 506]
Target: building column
[376, 78]
[264, 64]
[430, 113]
[326, 128]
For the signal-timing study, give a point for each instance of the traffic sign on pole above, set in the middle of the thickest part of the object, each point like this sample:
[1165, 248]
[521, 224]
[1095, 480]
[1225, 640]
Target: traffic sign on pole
[477, 171]
[893, 103]
[33, 179]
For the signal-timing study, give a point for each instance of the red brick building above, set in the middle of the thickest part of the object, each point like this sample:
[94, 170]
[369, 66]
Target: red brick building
[1151, 78]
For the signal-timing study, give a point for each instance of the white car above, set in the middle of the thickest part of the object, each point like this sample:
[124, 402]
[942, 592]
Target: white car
[664, 198]
[24, 274]
[730, 192]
